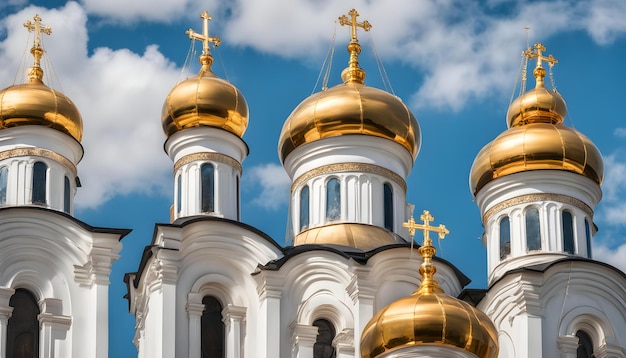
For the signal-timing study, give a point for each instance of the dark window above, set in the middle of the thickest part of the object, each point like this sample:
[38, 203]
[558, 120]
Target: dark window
[333, 199]
[179, 194]
[505, 237]
[568, 232]
[207, 177]
[4, 179]
[39, 183]
[23, 326]
[212, 329]
[238, 198]
[66, 195]
[533, 234]
[588, 237]
[388, 206]
[323, 347]
[585, 345]
[304, 208]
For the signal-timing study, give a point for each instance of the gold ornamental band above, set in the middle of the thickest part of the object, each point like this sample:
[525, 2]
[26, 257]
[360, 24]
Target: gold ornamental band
[215, 157]
[524, 199]
[349, 167]
[39, 152]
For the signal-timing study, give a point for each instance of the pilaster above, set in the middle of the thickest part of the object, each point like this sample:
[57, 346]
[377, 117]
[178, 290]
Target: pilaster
[303, 339]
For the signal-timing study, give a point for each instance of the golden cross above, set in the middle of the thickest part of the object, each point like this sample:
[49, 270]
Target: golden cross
[538, 54]
[365, 25]
[36, 27]
[204, 36]
[411, 225]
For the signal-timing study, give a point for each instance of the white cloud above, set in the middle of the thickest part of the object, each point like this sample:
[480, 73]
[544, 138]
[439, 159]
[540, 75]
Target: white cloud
[615, 257]
[273, 182]
[620, 132]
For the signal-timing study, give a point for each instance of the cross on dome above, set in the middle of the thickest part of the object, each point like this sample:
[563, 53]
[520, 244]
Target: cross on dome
[427, 218]
[36, 73]
[343, 21]
[204, 37]
[353, 73]
[537, 54]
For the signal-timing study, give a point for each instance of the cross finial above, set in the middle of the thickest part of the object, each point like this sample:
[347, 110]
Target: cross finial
[365, 25]
[539, 72]
[36, 73]
[411, 225]
[205, 58]
[353, 73]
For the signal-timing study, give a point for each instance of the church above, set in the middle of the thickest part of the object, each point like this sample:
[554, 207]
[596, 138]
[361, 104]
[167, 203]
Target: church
[356, 281]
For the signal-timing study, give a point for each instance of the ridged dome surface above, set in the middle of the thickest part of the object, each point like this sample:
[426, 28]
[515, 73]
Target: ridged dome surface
[205, 100]
[350, 108]
[34, 103]
[360, 236]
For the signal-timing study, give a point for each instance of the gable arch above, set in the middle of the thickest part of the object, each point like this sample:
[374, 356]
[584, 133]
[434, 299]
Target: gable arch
[590, 320]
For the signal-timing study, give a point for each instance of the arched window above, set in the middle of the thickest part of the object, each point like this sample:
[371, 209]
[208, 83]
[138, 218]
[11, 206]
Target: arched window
[66, 195]
[23, 326]
[333, 199]
[568, 232]
[588, 237]
[388, 206]
[207, 178]
[323, 347]
[179, 194]
[585, 345]
[533, 233]
[4, 179]
[304, 208]
[505, 237]
[212, 329]
[39, 183]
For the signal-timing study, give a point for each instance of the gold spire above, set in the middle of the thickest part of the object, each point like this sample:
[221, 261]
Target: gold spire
[36, 73]
[539, 72]
[206, 59]
[427, 269]
[353, 72]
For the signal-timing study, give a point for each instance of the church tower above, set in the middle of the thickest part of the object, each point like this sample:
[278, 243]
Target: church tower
[536, 186]
[54, 269]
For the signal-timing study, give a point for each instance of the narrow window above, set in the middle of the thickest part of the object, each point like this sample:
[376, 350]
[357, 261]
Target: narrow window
[568, 232]
[212, 329]
[23, 326]
[388, 206]
[4, 178]
[66, 195]
[238, 197]
[207, 176]
[323, 347]
[588, 237]
[304, 208]
[179, 194]
[505, 237]
[533, 234]
[39, 183]
[585, 345]
[333, 199]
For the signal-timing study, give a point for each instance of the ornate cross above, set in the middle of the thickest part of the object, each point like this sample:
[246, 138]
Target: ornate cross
[538, 54]
[365, 25]
[411, 225]
[204, 36]
[38, 29]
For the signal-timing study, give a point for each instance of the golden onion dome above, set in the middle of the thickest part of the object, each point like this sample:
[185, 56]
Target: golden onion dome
[205, 99]
[429, 317]
[34, 103]
[350, 108]
[360, 236]
[537, 139]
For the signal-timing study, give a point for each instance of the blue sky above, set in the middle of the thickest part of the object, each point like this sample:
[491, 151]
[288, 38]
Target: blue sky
[453, 62]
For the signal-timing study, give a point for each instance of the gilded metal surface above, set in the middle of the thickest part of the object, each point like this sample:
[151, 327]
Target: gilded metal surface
[353, 73]
[205, 99]
[39, 152]
[429, 316]
[360, 236]
[215, 157]
[533, 198]
[349, 167]
[34, 103]
[537, 138]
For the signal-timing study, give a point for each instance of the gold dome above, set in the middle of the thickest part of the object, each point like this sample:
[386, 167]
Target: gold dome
[360, 236]
[350, 108]
[34, 103]
[429, 317]
[205, 99]
[537, 139]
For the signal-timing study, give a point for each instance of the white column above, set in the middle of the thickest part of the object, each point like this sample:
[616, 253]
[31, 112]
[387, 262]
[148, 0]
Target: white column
[54, 327]
[303, 338]
[234, 318]
[269, 328]
[5, 314]
[194, 312]
[344, 343]
[362, 294]
[567, 346]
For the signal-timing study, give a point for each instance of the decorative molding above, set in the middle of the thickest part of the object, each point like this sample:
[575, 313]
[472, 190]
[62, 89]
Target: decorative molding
[39, 152]
[531, 198]
[212, 156]
[349, 167]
